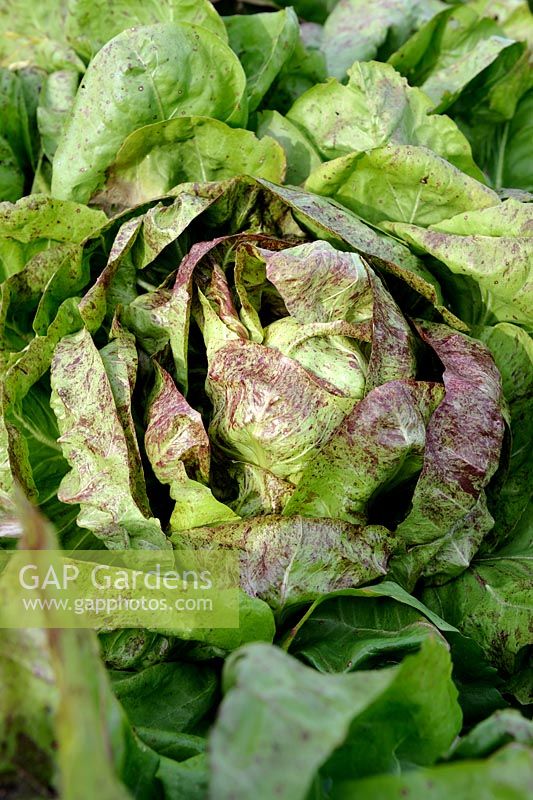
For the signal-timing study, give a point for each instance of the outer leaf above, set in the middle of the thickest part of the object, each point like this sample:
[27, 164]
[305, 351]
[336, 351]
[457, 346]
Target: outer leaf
[11, 174]
[37, 222]
[55, 103]
[490, 246]
[301, 156]
[400, 183]
[512, 350]
[171, 697]
[356, 30]
[299, 717]
[277, 553]
[263, 44]
[450, 51]
[508, 774]
[494, 732]
[94, 443]
[186, 149]
[376, 108]
[442, 531]
[159, 72]
[89, 25]
[313, 10]
[492, 603]
[178, 449]
[379, 444]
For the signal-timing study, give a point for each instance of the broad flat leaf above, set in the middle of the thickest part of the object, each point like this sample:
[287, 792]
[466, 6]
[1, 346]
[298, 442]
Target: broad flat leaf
[508, 774]
[286, 720]
[287, 560]
[178, 448]
[357, 31]
[379, 444]
[186, 149]
[377, 107]
[444, 527]
[400, 183]
[301, 156]
[89, 24]
[263, 44]
[94, 443]
[354, 628]
[492, 246]
[179, 70]
[516, 170]
[492, 603]
[173, 697]
[305, 67]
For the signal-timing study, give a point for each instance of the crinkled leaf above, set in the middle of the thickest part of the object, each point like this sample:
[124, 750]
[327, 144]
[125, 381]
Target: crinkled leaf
[491, 246]
[447, 520]
[379, 444]
[268, 410]
[377, 107]
[94, 443]
[178, 449]
[294, 560]
[159, 72]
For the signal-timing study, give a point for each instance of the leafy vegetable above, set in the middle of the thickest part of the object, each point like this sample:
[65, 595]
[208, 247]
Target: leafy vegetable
[260, 297]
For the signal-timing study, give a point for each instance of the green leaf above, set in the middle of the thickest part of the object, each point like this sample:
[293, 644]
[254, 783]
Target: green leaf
[186, 149]
[312, 10]
[358, 31]
[300, 154]
[263, 44]
[492, 247]
[89, 25]
[94, 443]
[286, 720]
[494, 732]
[448, 53]
[55, 103]
[512, 350]
[173, 697]
[11, 174]
[36, 222]
[277, 554]
[506, 775]
[377, 107]
[491, 602]
[400, 183]
[159, 72]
